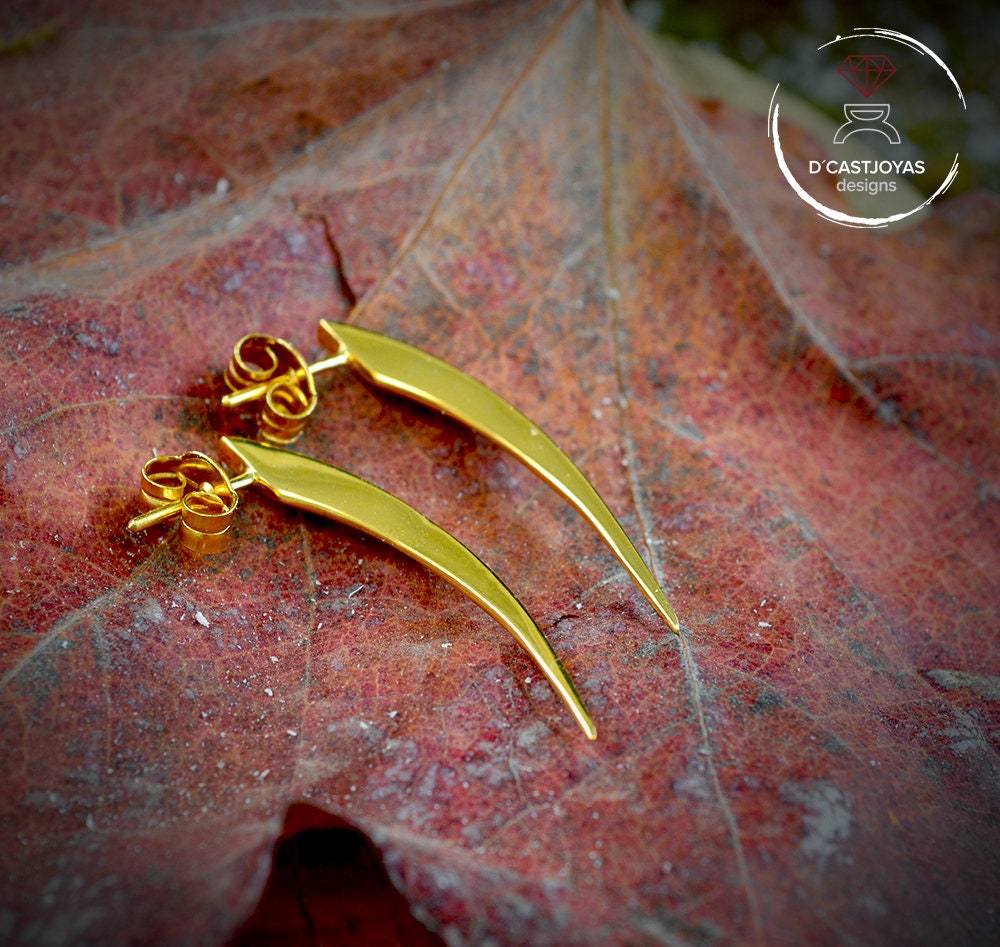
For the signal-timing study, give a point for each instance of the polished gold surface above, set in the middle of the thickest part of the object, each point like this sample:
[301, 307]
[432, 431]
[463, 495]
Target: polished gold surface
[271, 369]
[416, 374]
[319, 488]
[195, 488]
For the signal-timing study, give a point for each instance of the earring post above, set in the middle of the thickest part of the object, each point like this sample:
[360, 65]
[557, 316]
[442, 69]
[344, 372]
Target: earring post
[245, 395]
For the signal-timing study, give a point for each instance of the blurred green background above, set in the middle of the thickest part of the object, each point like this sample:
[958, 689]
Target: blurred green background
[778, 41]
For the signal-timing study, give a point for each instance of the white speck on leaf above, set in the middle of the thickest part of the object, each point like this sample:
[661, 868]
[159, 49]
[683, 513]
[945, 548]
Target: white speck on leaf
[827, 821]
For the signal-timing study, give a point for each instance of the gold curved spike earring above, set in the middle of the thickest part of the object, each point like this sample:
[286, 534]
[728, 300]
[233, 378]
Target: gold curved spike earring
[272, 371]
[195, 488]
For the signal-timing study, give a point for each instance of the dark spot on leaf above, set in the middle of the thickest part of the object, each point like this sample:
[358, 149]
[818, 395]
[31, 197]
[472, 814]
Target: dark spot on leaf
[767, 700]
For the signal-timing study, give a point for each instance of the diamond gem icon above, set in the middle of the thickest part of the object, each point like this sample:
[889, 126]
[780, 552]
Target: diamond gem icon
[867, 73]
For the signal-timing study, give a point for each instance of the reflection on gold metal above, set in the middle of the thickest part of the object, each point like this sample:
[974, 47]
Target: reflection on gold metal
[196, 488]
[288, 393]
[413, 373]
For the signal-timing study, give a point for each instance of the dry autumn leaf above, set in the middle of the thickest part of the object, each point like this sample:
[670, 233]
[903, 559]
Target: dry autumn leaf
[796, 422]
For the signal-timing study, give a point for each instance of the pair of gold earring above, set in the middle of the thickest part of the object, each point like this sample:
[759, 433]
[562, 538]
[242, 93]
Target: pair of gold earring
[272, 373]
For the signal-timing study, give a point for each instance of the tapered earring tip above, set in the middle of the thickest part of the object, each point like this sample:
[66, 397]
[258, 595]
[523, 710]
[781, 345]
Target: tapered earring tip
[654, 594]
[668, 615]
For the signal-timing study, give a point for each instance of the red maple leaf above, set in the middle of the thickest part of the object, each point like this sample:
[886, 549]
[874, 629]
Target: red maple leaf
[796, 422]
